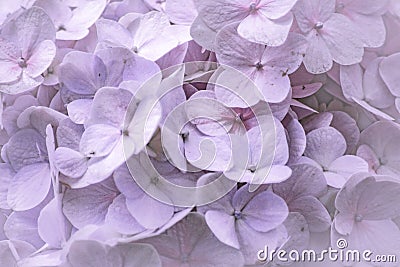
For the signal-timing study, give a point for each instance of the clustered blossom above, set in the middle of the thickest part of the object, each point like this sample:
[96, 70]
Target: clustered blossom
[291, 108]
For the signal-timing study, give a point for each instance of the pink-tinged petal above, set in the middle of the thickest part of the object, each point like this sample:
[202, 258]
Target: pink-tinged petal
[9, 71]
[347, 198]
[109, 107]
[203, 34]
[173, 57]
[258, 28]
[274, 9]
[102, 168]
[41, 58]
[79, 110]
[288, 57]
[120, 218]
[376, 136]
[70, 162]
[172, 140]
[375, 36]
[69, 134]
[191, 243]
[217, 14]
[372, 109]
[23, 226]
[343, 224]
[89, 205]
[29, 187]
[140, 69]
[387, 71]
[23, 84]
[281, 145]
[143, 125]
[237, 52]
[9, 51]
[206, 152]
[334, 180]
[265, 211]
[348, 165]
[348, 127]
[242, 92]
[274, 87]
[171, 37]
[39, 118]
[24, 148]
[318, 58]
[324, 145]
[378, 201]
[375, 91]
[252, 241]
[296, 139]
[82, 73]
[5, 178]
[351, 78]
[308, 13]
[298, 233]
[279, 110]
[149, 212]
[99, 140]
[112, 32]
[367, 7]
[278, 174]
[57, 11]
[302, 109]
[173, 98]
[181, 12]
[226, 234]
[342, 40]
[52, 227]
[72, 35]
[85, 15]
[323, 119]
[210, 116]
[365, 152]
[302, 91]
[314, 212]
[29, 29]
[306, 180]
[382, 237]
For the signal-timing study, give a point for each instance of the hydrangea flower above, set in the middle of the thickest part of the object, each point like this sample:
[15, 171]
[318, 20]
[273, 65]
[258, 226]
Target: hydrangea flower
[379, 148]
[331, 36]
[268, 67]
[261, 21]
[26, 50]
[251, 220]
[366, 215]
[326, 147]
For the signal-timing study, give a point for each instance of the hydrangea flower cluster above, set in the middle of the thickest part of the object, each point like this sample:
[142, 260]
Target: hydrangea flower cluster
[197, 132]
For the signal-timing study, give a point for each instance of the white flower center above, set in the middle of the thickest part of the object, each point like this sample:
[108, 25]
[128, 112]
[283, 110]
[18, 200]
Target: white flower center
[237, 214]
[259, 66]
[358, 218]
[22, 62]
[319, 25]
[253, 7]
